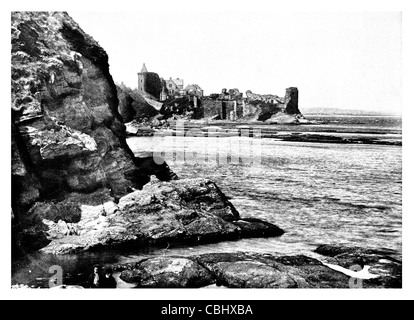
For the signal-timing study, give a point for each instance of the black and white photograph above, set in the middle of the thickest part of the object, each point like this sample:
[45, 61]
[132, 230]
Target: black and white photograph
[206, 149]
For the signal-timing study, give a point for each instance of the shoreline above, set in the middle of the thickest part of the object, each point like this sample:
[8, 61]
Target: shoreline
[244, 269]
[306, 133]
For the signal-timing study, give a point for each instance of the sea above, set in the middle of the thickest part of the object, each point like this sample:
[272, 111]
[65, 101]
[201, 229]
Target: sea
[317, 192]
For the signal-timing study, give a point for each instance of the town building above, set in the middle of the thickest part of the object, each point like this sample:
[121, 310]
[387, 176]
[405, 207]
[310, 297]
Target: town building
[175, 86]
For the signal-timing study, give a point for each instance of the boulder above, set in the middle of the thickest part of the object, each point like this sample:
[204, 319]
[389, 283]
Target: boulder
[187, 210]
[384, 263]
[252, 274]
[242, 270]
[253, 270]
[233, 270]
[168, 272]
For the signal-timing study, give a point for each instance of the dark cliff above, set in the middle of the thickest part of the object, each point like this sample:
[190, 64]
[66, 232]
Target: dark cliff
[67, 134]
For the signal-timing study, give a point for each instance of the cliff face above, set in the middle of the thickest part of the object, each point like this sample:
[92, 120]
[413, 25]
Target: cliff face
[67, 135]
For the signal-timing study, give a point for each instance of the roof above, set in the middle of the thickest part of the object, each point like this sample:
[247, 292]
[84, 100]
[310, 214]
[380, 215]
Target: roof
[144, 68]
[193, 87]
[177, 81]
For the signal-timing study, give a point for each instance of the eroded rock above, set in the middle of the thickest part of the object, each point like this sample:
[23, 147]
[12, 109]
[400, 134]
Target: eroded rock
[237, 270]
[188, 210]
[383, 263]
[168, 272]
[67, 134]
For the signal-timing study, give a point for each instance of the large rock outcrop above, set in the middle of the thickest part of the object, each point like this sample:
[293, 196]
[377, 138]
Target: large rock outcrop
[188, 210]
[254, 270]
[67, 135]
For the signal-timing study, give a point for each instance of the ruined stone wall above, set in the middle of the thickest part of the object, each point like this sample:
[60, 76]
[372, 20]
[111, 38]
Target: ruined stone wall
[211, 108]
[152, 84]
[292, 100]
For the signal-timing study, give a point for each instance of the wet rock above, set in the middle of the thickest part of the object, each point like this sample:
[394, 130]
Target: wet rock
[168, 272]
[30, 238]
[233, 270]
[335, 250]
[66, 211]
[325, 138]
[311, 273]
[381, 262]
[250, 273]
[246, 270]
[64, 286]
[252, 227]
[188, 210]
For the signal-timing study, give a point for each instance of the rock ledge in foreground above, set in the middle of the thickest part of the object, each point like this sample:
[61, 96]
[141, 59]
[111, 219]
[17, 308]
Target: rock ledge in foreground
[180, 211]
[242, 270]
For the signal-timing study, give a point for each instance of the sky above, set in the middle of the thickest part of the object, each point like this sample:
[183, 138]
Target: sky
[347, 60]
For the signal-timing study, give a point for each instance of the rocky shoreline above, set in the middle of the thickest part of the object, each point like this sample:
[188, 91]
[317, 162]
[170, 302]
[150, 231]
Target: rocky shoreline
[254, 270]
[336, 266]
[190, 211]
[77, 186]
[220, 129]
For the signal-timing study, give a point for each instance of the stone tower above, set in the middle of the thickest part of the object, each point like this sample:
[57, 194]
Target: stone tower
[141, 79]
[292, 100]
[149, 83]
